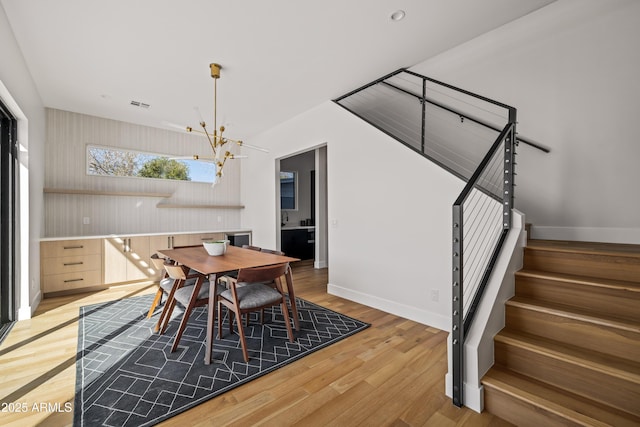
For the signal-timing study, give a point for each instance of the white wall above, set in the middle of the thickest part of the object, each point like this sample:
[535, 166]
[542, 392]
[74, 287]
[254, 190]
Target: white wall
[389, 212]
[19, 93]
[572, 69]
[68, 135]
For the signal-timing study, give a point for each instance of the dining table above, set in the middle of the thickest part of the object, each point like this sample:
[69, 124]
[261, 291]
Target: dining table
[212, 267]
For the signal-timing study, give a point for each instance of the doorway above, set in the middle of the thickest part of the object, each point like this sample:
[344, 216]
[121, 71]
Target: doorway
[8, 178]
[302, 205]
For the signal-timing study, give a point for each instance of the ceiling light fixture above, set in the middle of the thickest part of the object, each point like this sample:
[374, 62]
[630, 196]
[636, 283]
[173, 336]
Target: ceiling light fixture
[215, 138]
[398, 15]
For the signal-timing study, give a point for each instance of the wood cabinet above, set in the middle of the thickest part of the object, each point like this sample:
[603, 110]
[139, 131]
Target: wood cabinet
[197, 239]
[126, 259]
[68, 265]
[170, 241]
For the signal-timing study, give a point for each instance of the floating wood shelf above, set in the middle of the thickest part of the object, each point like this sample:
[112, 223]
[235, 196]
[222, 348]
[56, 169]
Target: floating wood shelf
[194, 206]
[105, 193]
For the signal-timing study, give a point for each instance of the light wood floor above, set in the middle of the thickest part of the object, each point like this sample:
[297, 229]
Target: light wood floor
[391, 374]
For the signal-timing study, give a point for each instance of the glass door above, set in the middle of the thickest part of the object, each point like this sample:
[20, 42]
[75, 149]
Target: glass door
[8, 171]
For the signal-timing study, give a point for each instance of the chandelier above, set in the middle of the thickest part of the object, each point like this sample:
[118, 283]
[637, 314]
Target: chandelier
[216, 139]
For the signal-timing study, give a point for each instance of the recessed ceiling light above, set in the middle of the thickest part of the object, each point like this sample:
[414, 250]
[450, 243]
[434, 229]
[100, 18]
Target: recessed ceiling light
[398, 15]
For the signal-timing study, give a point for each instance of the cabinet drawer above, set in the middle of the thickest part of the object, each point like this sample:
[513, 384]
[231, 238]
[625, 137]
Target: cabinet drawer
[64, 248]
[69, 281]
[71, 264]
[207, 237]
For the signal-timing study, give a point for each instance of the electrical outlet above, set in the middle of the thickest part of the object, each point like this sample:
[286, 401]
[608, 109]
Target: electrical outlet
[435, 295]
[219, 218]
[86, 220]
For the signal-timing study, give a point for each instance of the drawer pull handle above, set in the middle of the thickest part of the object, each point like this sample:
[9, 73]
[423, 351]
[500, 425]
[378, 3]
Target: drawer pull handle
[73, 247]
[73, 280]
[73, 263]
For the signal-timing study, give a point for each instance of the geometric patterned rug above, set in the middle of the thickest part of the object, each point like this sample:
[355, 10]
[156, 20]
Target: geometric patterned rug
[126, 375]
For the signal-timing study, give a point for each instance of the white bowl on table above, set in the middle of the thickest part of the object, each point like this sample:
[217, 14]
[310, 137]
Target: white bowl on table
[216, 247]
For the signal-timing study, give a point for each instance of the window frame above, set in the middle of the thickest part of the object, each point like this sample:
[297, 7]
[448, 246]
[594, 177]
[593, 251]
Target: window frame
[295, 190]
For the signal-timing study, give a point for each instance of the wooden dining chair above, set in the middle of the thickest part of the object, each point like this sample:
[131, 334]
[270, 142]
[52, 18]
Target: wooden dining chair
[184, 296]
[253, 248]
[234, 273]
[289, 281]
[164, 285]
[178, 280]
[253, 295]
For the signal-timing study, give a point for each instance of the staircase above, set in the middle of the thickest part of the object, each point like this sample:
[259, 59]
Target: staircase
[570, 352]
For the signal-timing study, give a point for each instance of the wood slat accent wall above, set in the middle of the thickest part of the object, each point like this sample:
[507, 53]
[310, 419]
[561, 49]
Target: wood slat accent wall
[68, 135]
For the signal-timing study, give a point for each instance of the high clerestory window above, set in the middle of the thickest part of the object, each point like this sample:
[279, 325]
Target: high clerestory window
[109, 161]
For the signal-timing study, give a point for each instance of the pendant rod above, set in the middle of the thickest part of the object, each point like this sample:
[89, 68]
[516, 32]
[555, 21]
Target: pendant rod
[215, 74]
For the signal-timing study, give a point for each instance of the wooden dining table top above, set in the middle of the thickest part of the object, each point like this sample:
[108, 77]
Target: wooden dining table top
[197, 258]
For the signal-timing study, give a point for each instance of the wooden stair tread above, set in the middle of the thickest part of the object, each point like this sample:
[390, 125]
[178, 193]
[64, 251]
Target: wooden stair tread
[621, 285]
[567, 405]
[594, 248]
[571, 312]
[621, 368]
[569, 352]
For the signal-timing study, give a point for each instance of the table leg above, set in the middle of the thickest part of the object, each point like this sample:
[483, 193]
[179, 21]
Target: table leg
[211, 310]
[292, 297]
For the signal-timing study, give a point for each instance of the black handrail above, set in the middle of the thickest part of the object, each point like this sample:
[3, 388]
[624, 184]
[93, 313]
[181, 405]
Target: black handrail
[423, 99]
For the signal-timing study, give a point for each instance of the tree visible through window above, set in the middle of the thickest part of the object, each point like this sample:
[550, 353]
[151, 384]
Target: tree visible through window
[117, 162]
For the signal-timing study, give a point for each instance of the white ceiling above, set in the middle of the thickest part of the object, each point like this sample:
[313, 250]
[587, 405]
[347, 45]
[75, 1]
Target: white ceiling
[279, 57]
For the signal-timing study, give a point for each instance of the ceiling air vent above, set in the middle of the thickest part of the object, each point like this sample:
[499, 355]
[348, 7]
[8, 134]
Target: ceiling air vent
[140, 104]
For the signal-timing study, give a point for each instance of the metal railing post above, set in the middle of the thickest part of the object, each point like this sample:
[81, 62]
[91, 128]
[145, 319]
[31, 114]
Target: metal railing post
[457, 332]
[424, 114]
[509, 158]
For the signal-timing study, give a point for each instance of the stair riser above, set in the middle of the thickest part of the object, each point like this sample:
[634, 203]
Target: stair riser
[519, 412]
[624, 304]
[617, 392]
[590, 336]
[616, 267]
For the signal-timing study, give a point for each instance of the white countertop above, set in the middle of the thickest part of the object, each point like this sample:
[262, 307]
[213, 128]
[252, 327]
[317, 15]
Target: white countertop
[164, 233]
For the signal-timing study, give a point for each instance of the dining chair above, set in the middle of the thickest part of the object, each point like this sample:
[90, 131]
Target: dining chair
[234, 273]
[253, 248]
[289, 278]
[184, 296]
[248, 293]
[178, 280]
[164, 286]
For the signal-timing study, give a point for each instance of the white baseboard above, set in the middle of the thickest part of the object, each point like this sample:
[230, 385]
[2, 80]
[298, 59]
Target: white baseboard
[587, 234]
[25, 313]
[473, 395]
[408, 312]
[320, 264]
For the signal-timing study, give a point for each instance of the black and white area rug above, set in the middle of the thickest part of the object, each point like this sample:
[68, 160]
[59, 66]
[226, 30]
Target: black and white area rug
[126, 375]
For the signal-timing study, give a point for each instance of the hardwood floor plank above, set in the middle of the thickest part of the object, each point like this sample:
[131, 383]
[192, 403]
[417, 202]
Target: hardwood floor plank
[389, 374]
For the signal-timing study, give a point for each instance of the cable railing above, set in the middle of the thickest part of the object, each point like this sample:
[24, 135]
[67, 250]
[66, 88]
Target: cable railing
[481, 221]
[474, 138]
